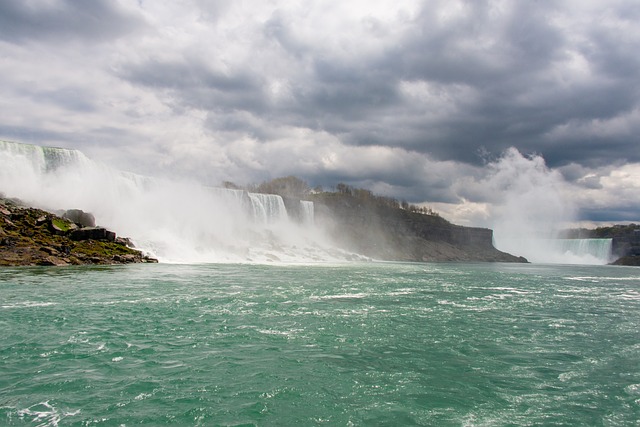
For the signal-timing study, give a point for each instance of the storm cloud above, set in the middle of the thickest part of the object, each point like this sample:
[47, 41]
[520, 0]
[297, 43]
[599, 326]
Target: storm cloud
[418, 100]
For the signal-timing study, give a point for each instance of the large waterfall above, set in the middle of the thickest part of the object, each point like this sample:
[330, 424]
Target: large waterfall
[596, 250]
[267, 208]
[177, 221]
[558, 251]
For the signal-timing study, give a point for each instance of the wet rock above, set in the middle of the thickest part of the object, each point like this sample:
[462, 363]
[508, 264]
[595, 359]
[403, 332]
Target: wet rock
[49, 250]
[41, 220]
[125, 259]
[52, 261]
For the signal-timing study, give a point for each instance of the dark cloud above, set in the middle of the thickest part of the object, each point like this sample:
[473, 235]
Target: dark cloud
[64, 19]
[193, 84]
[511, 63]
[617, 214]
[415, 102]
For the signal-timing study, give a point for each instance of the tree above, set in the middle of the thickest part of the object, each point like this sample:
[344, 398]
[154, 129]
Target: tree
[288, 186]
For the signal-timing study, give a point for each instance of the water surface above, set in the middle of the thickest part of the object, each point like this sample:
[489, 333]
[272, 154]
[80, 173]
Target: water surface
[351, 344]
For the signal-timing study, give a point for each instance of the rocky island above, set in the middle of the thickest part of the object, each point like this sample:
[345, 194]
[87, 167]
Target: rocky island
[30, 236]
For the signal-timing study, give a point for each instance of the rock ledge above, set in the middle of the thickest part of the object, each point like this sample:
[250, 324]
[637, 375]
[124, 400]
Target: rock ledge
[30, 236]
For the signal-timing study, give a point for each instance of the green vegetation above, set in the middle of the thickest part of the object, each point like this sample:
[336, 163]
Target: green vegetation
[61, 224]
[288, 186]
[369, 198]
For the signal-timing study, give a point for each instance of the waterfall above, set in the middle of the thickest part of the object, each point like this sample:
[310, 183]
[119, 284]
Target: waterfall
[44, 159]
[267, 208]
[307, 212]
[597, 249]
[173, 220]
[557, 251]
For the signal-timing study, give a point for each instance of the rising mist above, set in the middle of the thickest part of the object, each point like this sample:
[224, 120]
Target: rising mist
[172, 220]
[531, 207]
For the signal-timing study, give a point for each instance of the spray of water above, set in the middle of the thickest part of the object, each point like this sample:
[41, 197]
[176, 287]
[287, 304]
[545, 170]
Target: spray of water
[175, 221]
[530, 208]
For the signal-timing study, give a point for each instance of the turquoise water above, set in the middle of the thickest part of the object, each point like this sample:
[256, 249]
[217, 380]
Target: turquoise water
[359, 344]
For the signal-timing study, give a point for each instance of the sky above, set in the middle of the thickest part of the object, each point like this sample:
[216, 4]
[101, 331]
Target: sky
[479, 109]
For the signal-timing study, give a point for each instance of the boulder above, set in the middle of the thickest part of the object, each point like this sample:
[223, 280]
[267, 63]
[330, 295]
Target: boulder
[125, 241]
[61, 227]
[92, 233]
[51, 261]
[49, 250]
[125, 259]
[80, 217]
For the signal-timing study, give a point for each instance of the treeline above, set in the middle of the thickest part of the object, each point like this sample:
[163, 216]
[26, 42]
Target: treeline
[294, 187]
[367, 196]
[288, 186]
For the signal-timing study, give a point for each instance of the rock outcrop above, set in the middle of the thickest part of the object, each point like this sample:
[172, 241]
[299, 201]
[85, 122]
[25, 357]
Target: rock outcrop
[30, 236]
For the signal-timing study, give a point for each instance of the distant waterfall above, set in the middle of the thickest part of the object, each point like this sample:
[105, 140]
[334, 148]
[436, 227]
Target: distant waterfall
[557, 251]
[307, 212]
[267, 208]
[43, 159]
[598, 249]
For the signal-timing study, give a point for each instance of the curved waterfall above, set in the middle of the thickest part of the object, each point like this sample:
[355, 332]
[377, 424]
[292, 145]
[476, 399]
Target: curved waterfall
[558, 251]
[597, 249]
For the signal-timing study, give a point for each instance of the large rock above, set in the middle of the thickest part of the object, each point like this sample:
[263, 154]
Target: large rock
[61, 227]
[80, 217]
[92, 233]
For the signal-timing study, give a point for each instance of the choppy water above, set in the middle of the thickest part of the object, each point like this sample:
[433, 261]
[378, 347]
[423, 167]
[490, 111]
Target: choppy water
[360, 344]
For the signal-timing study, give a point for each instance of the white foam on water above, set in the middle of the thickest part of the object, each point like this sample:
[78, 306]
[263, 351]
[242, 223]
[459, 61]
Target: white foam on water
[44, 414]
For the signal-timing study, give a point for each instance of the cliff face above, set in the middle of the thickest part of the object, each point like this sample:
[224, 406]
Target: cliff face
[389, 233]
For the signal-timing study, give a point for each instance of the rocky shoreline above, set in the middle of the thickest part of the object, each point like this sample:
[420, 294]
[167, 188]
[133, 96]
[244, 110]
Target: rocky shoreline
[31, 237]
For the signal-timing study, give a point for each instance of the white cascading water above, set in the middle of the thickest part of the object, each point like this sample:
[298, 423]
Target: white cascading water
[267, 208]
[307, 210]
[175, 221]
[559, 251]
[588, 251]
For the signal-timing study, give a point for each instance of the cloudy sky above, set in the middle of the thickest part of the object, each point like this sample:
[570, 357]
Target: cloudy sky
[476, 108]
